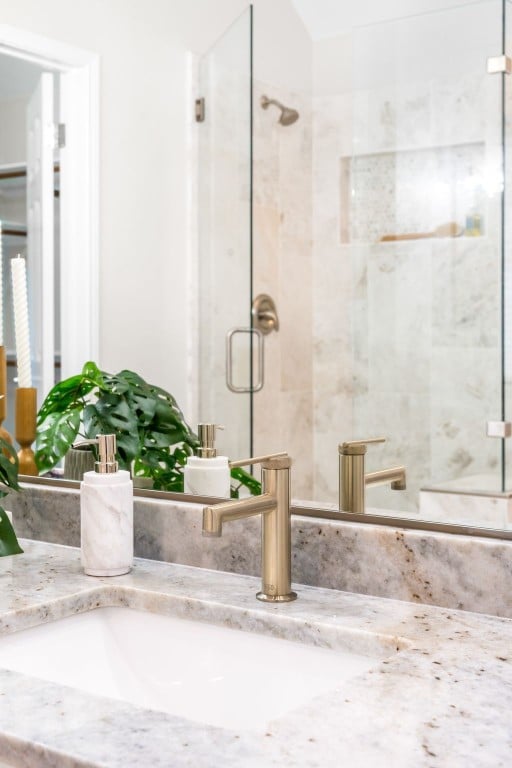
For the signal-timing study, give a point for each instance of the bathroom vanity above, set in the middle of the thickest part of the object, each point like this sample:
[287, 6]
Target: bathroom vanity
[410, 684]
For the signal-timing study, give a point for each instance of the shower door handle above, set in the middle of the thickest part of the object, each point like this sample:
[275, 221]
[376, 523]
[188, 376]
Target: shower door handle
[229, 361]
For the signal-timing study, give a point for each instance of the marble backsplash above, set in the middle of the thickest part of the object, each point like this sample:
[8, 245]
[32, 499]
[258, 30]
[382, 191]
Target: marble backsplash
[453, 571]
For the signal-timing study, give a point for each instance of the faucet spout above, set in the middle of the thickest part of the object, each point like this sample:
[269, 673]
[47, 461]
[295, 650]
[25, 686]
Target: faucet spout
[395, 476]
[274, 507]
[215, 516]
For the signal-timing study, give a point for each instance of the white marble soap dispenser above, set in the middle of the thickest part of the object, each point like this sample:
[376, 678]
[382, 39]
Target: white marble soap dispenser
[106, 514]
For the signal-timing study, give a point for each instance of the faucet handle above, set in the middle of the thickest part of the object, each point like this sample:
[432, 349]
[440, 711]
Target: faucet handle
[257, 459]
[358, 447]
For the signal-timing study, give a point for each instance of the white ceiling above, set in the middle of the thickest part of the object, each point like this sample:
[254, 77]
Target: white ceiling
[330, 18]
[18, 78]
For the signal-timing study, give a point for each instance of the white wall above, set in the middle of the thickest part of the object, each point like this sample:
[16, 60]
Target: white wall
[329, 18]
[143, 176]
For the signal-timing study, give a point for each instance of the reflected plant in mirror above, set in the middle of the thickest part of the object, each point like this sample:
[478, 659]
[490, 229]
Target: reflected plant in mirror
[153, 438]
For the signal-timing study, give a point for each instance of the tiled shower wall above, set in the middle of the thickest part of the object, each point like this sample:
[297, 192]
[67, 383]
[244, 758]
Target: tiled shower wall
[394, 339]
[406, 335]
[282, 257]
[398, 339]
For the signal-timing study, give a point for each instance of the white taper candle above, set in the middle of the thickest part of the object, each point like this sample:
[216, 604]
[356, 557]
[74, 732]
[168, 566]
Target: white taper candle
[1, 288]
[21, 328]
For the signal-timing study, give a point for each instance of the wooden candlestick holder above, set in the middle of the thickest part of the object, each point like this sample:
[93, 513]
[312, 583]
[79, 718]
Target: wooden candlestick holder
[25, 428]
[3, 395]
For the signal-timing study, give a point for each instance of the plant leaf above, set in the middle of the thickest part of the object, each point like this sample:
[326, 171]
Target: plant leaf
[109, 414]
[250, 482]
[8, 541]
[92, 373]
[66, 395]
[55, 436]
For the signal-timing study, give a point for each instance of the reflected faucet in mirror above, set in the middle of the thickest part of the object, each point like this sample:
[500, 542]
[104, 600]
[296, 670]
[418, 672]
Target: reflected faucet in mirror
[274, 506]
[353, 479]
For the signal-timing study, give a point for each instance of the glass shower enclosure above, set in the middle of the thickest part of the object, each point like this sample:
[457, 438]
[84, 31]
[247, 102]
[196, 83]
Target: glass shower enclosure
[224, 112]
[379, 221]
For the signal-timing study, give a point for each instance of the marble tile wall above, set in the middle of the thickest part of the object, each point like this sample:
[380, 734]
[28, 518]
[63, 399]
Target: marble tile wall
[406, 336]
[282, 267]
[449, 570]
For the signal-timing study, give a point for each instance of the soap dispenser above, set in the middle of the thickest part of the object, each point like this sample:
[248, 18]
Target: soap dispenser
[106, 512]
[208, 474]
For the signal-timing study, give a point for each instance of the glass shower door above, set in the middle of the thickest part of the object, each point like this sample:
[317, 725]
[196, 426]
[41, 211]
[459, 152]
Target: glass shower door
[224, 114]
[424, 201]
[506, 79]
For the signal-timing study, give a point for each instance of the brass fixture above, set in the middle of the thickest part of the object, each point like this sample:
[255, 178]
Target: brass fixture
[353, 479]
[274, 506]
[288, 116]
[256, 460]
[264, 314]
[206, 435]
[255, 333]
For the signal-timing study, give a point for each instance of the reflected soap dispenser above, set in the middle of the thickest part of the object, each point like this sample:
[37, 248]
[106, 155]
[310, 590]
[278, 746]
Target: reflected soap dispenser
[106, 514]
[207, 474]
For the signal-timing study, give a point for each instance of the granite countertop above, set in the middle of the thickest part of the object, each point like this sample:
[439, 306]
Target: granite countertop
[444, 699]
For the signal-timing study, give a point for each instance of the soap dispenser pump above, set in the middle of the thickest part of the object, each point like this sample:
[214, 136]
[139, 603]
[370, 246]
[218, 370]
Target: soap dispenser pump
[207, 474]
[106, 514]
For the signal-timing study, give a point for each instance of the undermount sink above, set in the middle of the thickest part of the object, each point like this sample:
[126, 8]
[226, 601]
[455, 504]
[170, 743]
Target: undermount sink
[215, 675]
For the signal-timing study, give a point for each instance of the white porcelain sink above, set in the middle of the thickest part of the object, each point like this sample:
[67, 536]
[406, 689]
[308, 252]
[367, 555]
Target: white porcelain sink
[215, 675]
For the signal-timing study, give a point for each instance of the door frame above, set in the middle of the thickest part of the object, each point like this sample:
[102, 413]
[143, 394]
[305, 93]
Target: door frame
[79, 109]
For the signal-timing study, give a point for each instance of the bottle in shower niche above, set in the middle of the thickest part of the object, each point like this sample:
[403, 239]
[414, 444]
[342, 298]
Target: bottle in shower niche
[106, 514]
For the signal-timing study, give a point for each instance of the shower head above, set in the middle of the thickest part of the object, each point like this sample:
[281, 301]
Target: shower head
[288, 116]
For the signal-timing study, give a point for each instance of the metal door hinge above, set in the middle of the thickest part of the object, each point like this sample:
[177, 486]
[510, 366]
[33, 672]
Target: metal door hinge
[499, 65]
[499, 429]
[60, 135]
[200, 110]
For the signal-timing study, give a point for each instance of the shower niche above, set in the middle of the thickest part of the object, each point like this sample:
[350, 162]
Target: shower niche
[413, 194]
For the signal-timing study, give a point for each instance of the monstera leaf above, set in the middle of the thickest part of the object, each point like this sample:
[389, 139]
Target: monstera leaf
[55, 436]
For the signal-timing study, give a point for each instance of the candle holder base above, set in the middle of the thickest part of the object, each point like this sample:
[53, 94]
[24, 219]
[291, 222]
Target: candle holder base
[25, 429]
[27, 462]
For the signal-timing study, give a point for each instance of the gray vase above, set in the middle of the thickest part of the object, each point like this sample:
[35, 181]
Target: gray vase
[77, 461]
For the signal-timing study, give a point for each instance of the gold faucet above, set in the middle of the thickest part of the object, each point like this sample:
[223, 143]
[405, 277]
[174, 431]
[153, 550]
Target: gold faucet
[353, 479]
[274, 506]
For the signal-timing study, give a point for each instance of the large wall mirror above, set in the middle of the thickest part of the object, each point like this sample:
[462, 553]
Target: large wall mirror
[303, 232]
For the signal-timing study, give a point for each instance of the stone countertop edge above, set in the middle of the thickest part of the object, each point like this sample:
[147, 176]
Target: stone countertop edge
[441, 696]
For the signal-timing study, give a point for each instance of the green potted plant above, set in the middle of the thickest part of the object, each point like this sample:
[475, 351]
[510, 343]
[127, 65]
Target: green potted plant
[8, 480]
[153, 438]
